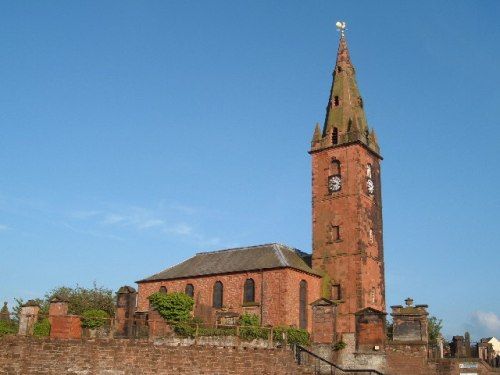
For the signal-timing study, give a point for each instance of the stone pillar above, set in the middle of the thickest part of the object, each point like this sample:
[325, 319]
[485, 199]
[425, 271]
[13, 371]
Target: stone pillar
[410, 322]
[58, 307]
[28, 318]
[440, 343]
[457, 347]
[467, 344]
[125, 310]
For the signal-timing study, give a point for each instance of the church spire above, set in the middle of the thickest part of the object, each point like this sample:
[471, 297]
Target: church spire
[345, 120]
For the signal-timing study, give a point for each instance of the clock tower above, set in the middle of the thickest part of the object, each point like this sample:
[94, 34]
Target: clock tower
[346, 201]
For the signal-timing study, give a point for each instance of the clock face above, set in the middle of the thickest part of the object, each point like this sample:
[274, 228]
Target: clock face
[370, 186]
[334, 183]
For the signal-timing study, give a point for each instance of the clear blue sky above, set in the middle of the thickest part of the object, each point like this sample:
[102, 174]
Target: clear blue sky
[137, 133]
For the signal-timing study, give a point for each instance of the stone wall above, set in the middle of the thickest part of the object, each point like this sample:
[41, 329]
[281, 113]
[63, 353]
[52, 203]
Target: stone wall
[35, 356]
[407, 358]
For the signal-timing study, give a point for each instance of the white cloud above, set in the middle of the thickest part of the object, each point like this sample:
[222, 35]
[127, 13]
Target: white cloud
[487, 320]
[120, 219]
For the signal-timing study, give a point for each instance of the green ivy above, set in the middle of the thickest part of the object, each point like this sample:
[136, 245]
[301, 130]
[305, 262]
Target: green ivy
[173, 307]
[94, 318]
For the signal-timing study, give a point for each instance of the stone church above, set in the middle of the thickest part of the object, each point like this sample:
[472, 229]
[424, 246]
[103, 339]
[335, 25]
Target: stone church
[339, 289]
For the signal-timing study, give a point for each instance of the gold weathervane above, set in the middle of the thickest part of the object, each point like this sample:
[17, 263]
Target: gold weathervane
[341, 27]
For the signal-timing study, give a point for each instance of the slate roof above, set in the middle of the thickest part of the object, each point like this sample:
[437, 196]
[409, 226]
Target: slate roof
[240, 259]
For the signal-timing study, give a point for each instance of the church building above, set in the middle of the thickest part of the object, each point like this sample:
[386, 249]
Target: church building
[338, 289]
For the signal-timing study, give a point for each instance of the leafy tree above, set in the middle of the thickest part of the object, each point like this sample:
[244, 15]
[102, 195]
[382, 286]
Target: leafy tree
[82, 299]
[435, 326]
[79, 300]
[94, 318]
[173, 307]
[389, 326]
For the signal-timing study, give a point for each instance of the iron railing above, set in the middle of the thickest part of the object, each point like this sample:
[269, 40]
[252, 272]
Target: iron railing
[322, 366]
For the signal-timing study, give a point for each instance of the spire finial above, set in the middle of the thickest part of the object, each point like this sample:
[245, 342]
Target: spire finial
[341, 26]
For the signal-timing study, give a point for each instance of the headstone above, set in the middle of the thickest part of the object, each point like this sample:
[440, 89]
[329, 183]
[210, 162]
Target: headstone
[323, 321]
[370, 330]
[125, 310]
[410, 322]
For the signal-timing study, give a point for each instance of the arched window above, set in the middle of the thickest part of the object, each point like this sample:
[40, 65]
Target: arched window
[303, 304]
[335, 136]
[218, 293]
[249, 291]
[335, 167]
[336, 101]
[189, 290]
[163, 289]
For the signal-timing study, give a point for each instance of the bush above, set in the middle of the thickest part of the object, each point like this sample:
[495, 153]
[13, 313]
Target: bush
[94, 318]
[174, 307]
[295, 336]
[7, 328]
[217, 331]
[185, 330]
[339, 345]
[253, 331]
[42, 328]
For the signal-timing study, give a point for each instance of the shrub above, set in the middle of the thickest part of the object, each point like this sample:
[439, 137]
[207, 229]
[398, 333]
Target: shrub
[185, 330]
[253, 331]
[339, 345]
[217, 331]
[174, 307]
[94, 318]
[42, 328]
[7, 328]
[295, 336]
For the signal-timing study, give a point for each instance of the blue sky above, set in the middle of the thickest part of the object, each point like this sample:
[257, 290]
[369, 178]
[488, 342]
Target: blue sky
[135, 134]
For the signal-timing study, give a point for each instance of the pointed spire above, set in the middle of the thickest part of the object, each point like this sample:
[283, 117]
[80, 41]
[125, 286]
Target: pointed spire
[316, 136]
[345, 119]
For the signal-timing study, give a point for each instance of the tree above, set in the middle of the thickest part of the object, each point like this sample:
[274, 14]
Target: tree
[82, 299]
[79, 300]
[434, 329]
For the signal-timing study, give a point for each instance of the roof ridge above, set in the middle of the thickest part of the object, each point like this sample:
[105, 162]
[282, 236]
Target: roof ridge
[238, 248]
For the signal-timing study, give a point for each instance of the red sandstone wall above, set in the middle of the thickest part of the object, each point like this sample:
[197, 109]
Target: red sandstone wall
[32, 356]
[280, 290]
[406, 359]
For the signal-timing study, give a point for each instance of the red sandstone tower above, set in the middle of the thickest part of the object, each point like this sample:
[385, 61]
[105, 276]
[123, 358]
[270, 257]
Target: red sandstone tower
[346, 201]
